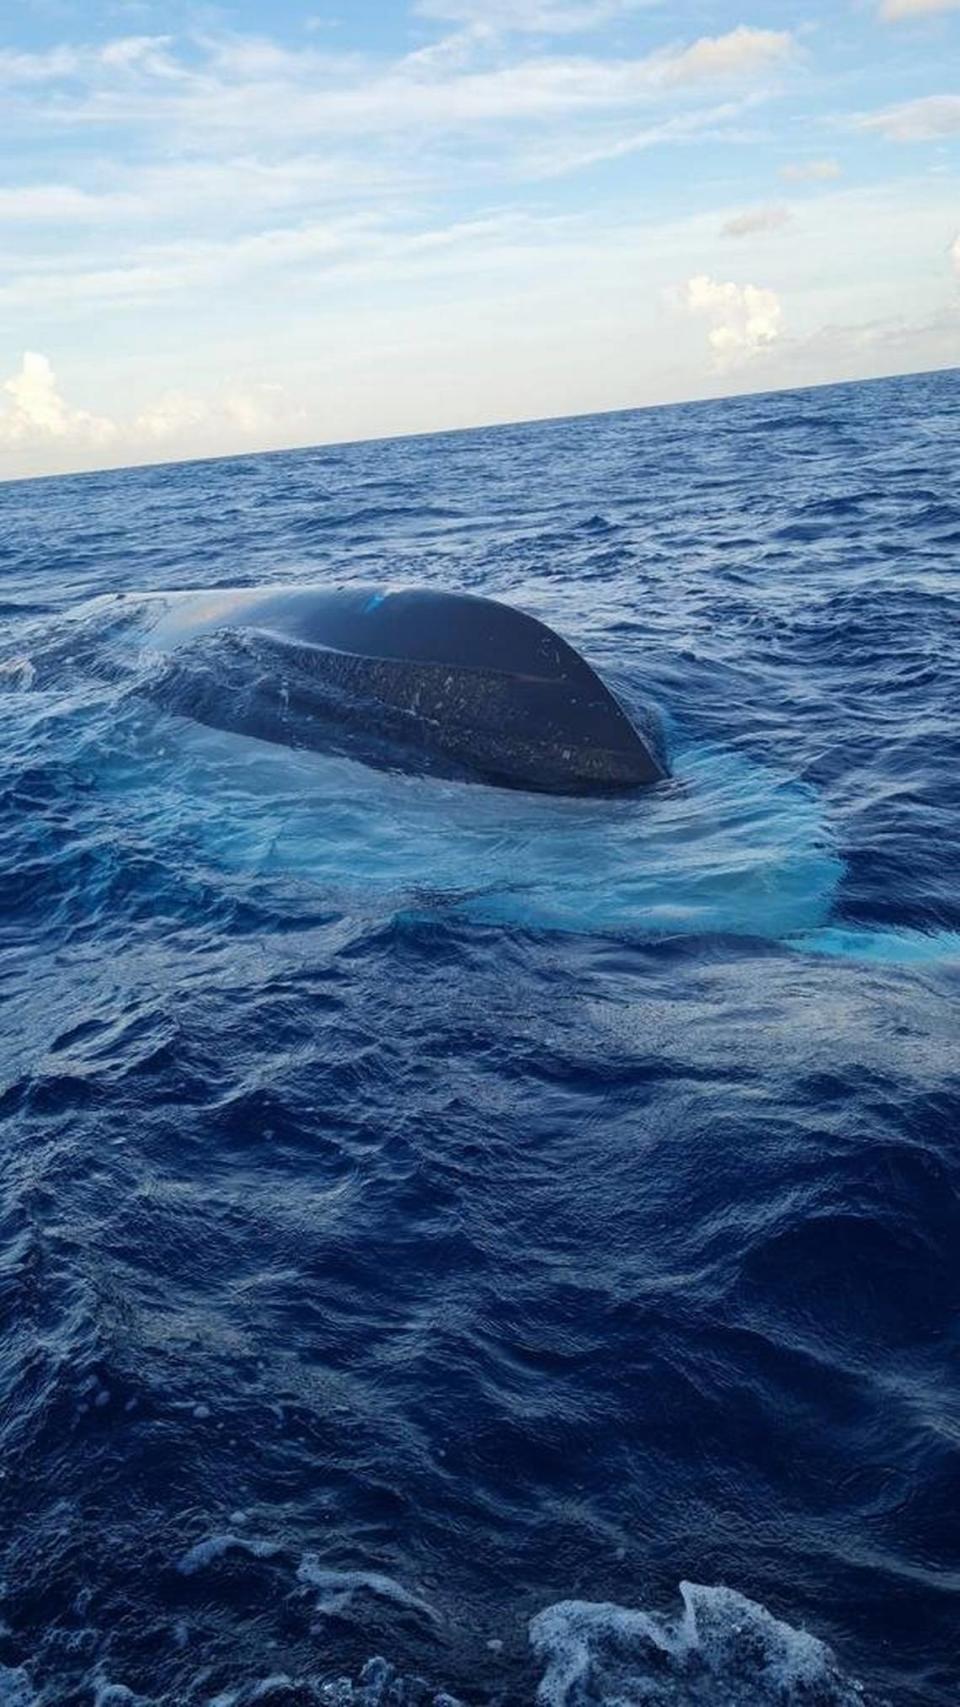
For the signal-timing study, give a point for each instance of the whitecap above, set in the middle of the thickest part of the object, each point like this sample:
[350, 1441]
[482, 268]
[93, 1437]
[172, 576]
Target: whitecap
[723, 1650]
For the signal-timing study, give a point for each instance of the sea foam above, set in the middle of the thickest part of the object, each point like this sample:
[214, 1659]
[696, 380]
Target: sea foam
[721, 1651]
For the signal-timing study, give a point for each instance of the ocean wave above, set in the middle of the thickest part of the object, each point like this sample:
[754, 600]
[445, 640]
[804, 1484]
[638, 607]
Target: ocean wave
[425, 1209]
[723, 1650]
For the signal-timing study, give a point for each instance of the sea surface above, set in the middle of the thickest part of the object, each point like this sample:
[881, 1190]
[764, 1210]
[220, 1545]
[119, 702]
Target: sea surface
[460, 1243]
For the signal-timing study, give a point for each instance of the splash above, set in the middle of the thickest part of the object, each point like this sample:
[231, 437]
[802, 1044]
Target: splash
[722, 1651]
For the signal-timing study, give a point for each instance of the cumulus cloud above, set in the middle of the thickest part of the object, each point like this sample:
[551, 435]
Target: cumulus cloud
[955, 257]
[744, 320]
[896, 10]
[38, 413]
[38, 416]
[811, 171]
[928, 119]
[756, 220]
[173, 414]
[180, 415]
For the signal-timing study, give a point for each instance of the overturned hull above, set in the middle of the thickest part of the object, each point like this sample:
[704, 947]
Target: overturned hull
[445, 683]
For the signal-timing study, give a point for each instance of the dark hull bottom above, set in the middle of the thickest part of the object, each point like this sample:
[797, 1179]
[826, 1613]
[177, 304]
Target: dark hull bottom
[445, 684]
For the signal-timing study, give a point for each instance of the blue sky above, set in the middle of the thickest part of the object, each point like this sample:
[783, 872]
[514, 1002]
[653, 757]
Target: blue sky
[246, 225]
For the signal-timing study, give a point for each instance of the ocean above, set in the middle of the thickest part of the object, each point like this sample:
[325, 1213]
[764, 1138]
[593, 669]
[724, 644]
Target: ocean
[457, 1243]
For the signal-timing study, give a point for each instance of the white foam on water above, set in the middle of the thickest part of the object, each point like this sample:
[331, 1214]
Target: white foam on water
[721, 1651]
[380, 1686]
[19, 672]
[215, 1547]
[338, 1588]
[16, 1690]
[277, 1685]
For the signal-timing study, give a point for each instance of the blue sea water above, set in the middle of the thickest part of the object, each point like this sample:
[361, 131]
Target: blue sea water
[437, 1223]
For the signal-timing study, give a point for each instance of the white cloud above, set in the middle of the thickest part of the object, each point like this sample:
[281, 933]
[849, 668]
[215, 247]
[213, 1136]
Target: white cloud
[811, 171]
[744, 319]
[65, 62]
[955, 257]
[349, 249]
[872, 348]
[257, 59]
[173, 414]
[62, 203]
[39, 413]
[560, 155]
[576, 316]
[896, 10]
[55, 63]
[742, 52]
[140, 53]
[178, 415]
[223, 204]
[239, 145]
[39, 416]
[926, 120]
[552, 17]
[188, 192]
[756, 220]
[259, 93]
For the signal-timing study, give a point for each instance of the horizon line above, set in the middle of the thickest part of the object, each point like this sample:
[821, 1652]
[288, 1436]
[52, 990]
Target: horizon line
[474, 427]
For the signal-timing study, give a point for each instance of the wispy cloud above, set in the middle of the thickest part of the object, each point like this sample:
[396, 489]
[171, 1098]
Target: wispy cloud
[236, 190]
[742, 52]
[254, 89]
[178, 415]
[66, 63]
[401, 224]
[565, 153]
[549, 17]
[242, 131]
[755, 221]
[928, 119]
[60, 204]
[355, 248]
[811, 171]
[895, 11]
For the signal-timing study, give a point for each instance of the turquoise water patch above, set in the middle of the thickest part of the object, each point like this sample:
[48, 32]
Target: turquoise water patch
[726, 846]
[890, 947]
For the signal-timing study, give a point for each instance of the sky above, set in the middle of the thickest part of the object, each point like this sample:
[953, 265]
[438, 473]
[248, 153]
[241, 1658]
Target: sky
[246, 226]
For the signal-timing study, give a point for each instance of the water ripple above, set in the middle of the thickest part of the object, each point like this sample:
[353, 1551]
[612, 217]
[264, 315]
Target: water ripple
[435, 1222]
